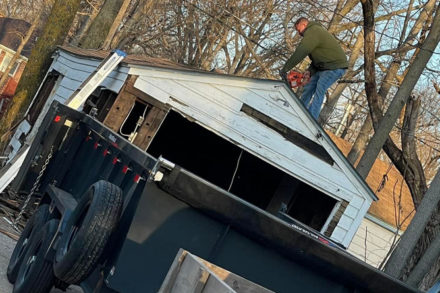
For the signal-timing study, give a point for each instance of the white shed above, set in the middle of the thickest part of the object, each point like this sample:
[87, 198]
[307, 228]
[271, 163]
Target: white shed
[252, 137]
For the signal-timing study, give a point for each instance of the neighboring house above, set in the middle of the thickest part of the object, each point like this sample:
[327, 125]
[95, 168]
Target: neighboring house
[12, 32]
[217, 126]
[388, 217]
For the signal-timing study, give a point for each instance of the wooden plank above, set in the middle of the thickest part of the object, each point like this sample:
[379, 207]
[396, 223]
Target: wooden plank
[173, 271]
[214, 285]
[191, 274]
[334, 222]
[236, 282]
[192, 277]
[149, 128]
[120, 109]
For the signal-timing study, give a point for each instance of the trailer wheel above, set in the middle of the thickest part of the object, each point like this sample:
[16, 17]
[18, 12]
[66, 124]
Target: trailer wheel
[36, 272]
[87, 232]
[36, 222]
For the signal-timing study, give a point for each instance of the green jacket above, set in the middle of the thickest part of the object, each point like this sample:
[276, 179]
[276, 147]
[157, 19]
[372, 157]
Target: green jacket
[321, 47]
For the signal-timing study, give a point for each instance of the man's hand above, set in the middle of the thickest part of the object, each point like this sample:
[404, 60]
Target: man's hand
[283, 75]
[306, 78]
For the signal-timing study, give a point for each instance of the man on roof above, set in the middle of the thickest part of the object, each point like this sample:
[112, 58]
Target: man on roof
[328, 62]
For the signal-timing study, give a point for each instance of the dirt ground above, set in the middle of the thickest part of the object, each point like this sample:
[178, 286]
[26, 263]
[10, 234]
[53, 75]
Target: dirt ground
[7, 245]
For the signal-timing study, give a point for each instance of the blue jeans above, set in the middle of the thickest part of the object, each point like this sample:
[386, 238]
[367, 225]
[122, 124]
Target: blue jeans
[313, 94]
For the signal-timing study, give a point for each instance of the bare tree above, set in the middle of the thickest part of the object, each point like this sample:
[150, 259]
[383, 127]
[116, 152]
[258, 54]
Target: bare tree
[407, 158]
[406, 43]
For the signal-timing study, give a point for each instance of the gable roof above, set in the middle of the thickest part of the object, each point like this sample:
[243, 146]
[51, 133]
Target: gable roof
[390, 188]
[11, 32]
[129, 59]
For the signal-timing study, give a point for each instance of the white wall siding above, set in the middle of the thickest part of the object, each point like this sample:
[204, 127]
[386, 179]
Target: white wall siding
[371, 242]
[73, 71]
[224, 117]
[76, 69]
[215, 102]
[357, 220]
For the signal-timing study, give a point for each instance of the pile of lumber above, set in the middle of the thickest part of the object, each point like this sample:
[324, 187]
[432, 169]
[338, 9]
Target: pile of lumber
[10, 206]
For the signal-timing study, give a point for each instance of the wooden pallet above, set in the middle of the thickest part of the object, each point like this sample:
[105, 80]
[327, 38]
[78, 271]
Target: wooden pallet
[191, 274]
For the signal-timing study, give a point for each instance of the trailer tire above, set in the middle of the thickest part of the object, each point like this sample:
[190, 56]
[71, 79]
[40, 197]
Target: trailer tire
[36, 272]
[36, 222]
[87, 232]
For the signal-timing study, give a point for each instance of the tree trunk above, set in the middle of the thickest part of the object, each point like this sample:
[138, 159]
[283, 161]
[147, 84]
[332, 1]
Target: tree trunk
[369, 64]
[395, 108]
[84, 24]
[425, 263]
[101, 25]
[54, 33]
[361, 141]
[401, 254]
[121, 37]
[115, 25]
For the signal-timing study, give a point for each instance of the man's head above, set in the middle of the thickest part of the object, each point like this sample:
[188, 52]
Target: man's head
[301, 24]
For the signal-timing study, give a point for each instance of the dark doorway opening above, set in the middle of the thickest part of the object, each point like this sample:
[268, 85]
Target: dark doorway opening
[226, 165]
[134, 119]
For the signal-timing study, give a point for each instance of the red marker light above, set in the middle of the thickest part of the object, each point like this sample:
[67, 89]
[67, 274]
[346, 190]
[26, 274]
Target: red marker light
[105, 152]
[137, 178]
[95, 146]
[325, 241]
[125, 169]
[57, 119]
[115, 160]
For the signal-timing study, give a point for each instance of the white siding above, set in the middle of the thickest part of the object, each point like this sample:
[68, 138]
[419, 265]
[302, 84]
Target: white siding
[76, 69]
[224, 117]
[215, 102]
[377, 244]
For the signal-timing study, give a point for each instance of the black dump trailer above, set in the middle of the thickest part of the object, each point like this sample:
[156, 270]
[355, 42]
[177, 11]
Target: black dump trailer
[111, 218]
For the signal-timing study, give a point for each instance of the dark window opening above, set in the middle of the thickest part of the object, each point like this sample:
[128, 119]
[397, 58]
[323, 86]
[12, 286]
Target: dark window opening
[215, 159]
[42, 96]
[289, 134]
[102, 100]
[134, 119]
[310, 206]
